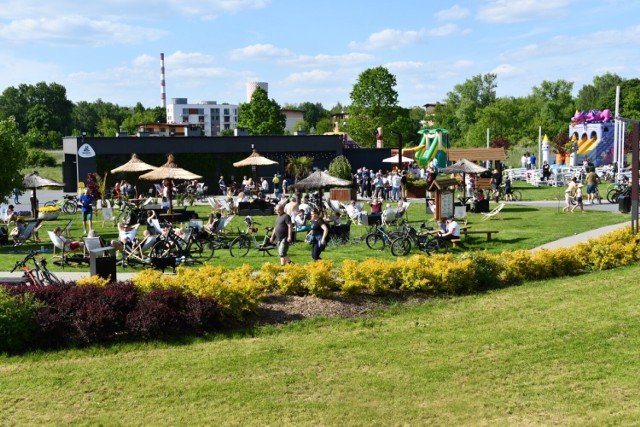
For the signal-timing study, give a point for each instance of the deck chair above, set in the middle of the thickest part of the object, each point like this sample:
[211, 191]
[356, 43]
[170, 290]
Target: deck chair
[24, 234]
[67, 229]
[57, 244]
[406, 210]
[156, 229]
[3, 215]
[389, 216]
[494, 213]
[107, 215]
[138, 253]
[460, 213]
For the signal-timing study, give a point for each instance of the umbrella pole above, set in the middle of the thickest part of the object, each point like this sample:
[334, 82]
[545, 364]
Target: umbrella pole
[170, 195]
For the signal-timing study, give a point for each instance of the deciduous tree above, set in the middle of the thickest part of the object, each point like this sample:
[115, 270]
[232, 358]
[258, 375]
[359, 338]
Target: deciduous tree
[14, 156]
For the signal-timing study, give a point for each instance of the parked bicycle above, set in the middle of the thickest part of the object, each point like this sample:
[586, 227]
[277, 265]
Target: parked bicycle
[621, 189]
[39, 275]
[246, 241]
[129, 213]
[171, 245]
[380, 237]
[69, 204]
[426, 241]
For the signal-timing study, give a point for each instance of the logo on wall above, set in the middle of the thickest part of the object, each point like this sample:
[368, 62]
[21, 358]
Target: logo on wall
[86, 151]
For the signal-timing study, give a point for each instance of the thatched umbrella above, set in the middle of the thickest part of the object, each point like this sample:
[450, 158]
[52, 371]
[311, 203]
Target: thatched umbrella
[319, 180]
[134, 165]
[33, 181]
[255, 160]
[464, 167]
[169, 171]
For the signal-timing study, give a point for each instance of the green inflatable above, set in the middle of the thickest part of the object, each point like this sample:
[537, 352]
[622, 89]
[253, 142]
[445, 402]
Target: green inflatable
[437, 148]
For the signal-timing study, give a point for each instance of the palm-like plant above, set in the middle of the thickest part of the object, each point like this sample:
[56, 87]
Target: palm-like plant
[298, 167]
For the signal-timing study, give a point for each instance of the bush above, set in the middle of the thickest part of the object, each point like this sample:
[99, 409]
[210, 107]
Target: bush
[320, 280]
[159, 314]
[39, 158]
[17, 321]
[374, 275]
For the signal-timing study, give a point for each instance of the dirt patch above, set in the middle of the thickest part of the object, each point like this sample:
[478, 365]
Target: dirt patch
[282, 309]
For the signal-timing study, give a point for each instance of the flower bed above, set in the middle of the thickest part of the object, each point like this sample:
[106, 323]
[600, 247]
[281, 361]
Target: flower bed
[48, 216]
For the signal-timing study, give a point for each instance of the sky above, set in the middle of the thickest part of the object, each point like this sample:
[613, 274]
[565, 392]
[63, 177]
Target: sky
[310, 51]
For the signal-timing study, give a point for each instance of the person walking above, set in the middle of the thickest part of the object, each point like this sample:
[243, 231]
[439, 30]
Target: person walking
[282, 232]
[568, 194]
[16, 195]
[86, 200]
[318, 235]
[578, 197]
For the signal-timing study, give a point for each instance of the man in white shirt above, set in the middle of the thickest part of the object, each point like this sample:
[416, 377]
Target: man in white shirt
[304, 206]
[354, 213]
[453, 229]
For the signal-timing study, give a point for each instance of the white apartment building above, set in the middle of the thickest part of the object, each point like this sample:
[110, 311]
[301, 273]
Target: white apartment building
[210, 115]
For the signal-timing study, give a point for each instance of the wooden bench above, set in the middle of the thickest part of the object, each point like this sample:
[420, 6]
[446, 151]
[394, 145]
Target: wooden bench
[455, 242]
[482, 184]
[466, 232]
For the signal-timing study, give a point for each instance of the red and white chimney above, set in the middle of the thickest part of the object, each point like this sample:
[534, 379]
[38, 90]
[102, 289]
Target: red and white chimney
[163, 94]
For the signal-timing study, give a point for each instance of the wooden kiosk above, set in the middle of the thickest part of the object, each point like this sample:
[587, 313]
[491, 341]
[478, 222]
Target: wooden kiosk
[442, 205]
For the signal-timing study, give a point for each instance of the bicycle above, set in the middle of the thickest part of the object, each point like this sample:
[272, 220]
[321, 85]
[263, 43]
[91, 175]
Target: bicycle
[68, 204]
[129, 213]
[241, 245]
[618, 190]
[426, 241]
[39, 275]
[170, 245]
[516, 195]
[379, 238]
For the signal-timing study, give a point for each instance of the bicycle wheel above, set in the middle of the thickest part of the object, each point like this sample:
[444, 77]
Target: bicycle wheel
[209, 250]
[612, 195]
[239, 246]
[432, 244]
[47, 278]
[401, 246]
[196, 248]
[375, 241]
[516, 195]
[163, 249]
[70, 207]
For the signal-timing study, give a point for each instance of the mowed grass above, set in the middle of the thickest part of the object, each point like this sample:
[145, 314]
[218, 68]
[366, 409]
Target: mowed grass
[544, 353]
[519, 227]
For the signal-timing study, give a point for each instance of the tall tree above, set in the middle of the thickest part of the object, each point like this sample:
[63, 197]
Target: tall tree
[261, 115]
[555, 104]
[596, 95]
[374, 103]
[313, 112]
[14, 156]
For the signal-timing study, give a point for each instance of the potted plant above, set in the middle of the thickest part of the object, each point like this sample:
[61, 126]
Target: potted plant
[48, 213]
[340, 167]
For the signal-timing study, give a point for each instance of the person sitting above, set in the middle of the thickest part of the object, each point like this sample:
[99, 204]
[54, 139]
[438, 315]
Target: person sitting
[300, 221]
[214, 221]
[354, 212]
[401, 209]
[10, 216]
[68, 243]
[243, 198]
[480, 203]
[453, 229]
[305, 207]
[546, 171]
[125, 233]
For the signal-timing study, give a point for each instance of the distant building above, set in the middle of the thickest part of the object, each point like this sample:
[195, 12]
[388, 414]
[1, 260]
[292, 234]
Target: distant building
[209, 115]
[293, 117]
[252, 86]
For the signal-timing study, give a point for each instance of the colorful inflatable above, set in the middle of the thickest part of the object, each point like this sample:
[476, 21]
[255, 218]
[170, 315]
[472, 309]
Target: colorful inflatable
[592, 132]
[437, 147]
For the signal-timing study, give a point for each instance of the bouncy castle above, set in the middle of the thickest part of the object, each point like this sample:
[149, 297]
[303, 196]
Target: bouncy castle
[591, 135]
[432, 145]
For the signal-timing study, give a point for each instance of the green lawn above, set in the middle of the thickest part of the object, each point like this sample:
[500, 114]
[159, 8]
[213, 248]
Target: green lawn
[545, 353]
[520, 227]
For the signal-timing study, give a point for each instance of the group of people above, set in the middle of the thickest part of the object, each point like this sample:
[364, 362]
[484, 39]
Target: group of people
[389, 185]
[528, 161]
[283, 232]
[574, 191]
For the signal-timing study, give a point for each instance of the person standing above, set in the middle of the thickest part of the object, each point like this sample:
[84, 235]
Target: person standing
[16, 195]
[282, 232]
[318, 235]
[86, 200]
[568, 194]
[222, 186]
[592, 181]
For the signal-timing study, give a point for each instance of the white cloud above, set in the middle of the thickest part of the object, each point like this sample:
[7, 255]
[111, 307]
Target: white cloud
[448, 30]
[309, 76]
[323, 60]
[510, 11]
[455, 12]
[185, 58]
[74, 30]
[259, 51]
[504, 70]
[390, 39]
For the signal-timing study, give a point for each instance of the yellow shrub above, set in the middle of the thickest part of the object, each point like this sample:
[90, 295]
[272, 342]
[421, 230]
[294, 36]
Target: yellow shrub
[452, 276]
[268, 275]
[375, 275]
[292, 281]
[516, 266]
[93, 280]
[416, 272]
[321, 280]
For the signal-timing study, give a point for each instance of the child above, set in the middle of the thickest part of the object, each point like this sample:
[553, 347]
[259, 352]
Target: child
[508, 192]
[578, 199]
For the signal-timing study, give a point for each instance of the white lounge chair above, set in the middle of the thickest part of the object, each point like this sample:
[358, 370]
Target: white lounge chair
[494, 213]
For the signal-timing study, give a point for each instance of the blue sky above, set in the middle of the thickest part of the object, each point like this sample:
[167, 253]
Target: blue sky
[310, 51]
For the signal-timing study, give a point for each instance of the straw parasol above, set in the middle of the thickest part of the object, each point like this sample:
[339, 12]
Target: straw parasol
[134, 165]
[464, 167]
[33, 181]
[319, 180]
[169, 171]
[255, 160]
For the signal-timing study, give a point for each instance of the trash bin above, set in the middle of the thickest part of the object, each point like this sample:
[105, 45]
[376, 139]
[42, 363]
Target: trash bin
[624, 203]
[102, 262]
